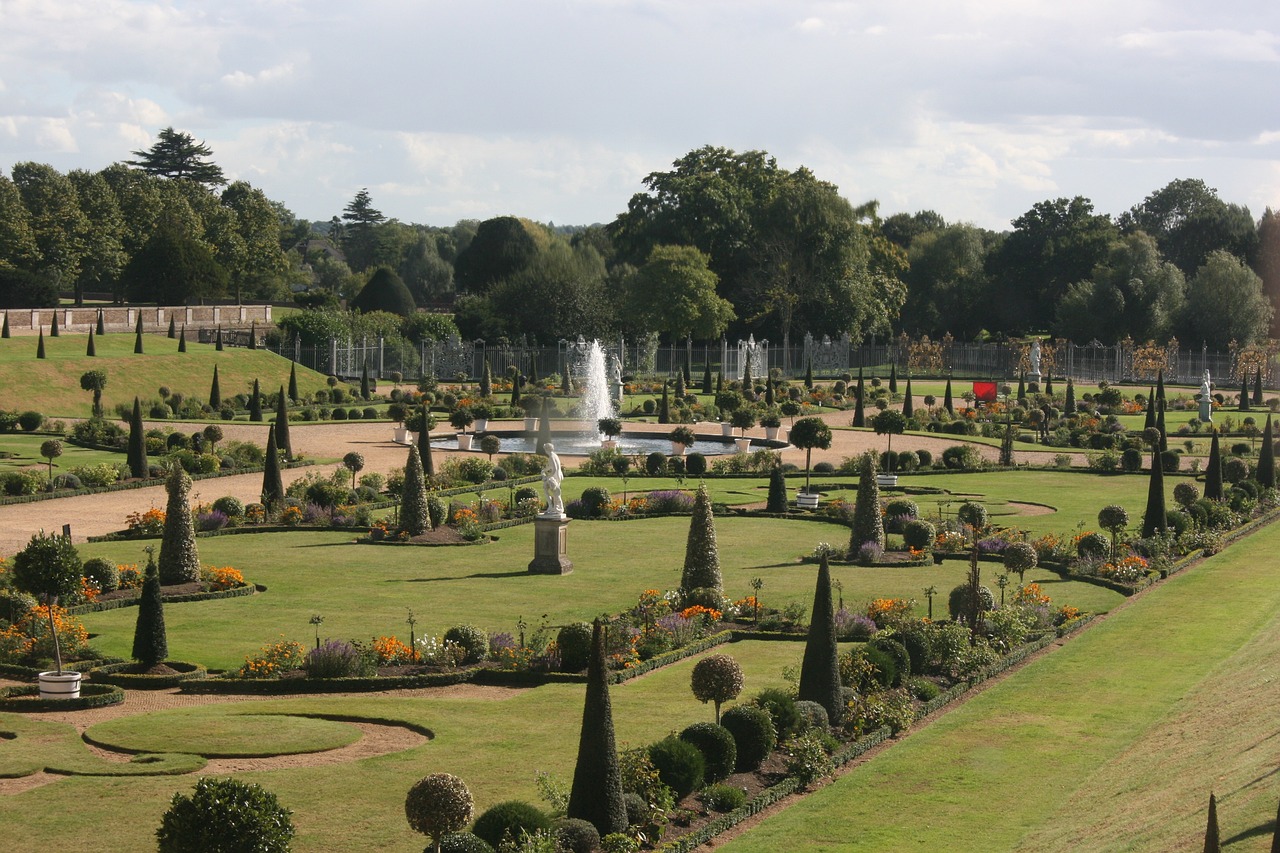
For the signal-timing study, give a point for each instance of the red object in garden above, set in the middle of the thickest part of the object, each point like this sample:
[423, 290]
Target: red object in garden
[984, 392]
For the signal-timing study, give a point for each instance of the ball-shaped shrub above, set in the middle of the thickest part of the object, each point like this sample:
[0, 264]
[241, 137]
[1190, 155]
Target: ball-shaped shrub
[695, 464]
[719, 752]
[474, 641]
[225, 815]
[902, 507]
[781, 707]
[231, 507]
[680, 765]
[1020, 557]
[958, 600]
[575, 835]
[464, 842]
[655, 463]
[1235, 470]
[716, 678]
[437, 805]
[509, 819]
[637, 808]
[1185, 494]
[973, 514]
[1131, 460]
[1170, 461]
[1093, 545]
[753, 735]
[925, 457]
[102, 572]
[1177, 521]
[919, 534]
[901, 657]
[595, 500]
[574, 643]
[723, 798]
[812, 716]
[883, 672]
[917, 639]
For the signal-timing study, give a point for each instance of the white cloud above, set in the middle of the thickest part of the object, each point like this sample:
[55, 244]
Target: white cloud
[1223, 45]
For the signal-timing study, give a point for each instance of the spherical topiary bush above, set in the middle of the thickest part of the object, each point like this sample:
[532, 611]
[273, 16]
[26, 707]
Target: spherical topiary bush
[812, 716]
[437, 805]
[723, 798]
[1170, 460]
[1020, 557]
[917, 639]
[925, 457]
[918, 534]
[574, 643]
[637, 808]
[1185, 495]
[595, 501]
[958, 600]
[1093, 546]
[509, 819]
[225, 816]
[753, 735]
[102, 572]
[696, 464]
[1131, 460]
[901, 657]
[655, 463]
[881, 673]
[973, 514]
[231, 507]
[464, 842]
[781, 707]
[574, 835]
[1235, 470]
[679, 764]
[474, 641]
[719, 752]
[900, 507]
[718, 679]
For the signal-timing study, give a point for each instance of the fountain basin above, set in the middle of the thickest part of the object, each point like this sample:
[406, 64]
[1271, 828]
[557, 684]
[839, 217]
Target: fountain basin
[576, 444]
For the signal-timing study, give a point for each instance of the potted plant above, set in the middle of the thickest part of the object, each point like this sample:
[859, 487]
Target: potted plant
[728, 402]
[416, 422]
[397, 411]
[889, 422]
[771, 422]
[611, 428]
[481, 412]
[50, 568]
[682, 439]
[743, 419]
[532, 406]
[461, 418]
[807, 434]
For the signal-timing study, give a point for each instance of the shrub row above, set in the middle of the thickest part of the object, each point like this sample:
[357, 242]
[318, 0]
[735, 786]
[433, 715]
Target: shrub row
[276, 686]
[113, 674]
[117, 603]
[91, 696]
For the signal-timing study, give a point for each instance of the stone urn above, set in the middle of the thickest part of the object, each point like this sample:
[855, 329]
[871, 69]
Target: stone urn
[60, 685]
[401, 434]
[726, 429]
[464, 440]
[771, 433]
[530, 424]
[480, 425]
[744, 444]
[678, 449]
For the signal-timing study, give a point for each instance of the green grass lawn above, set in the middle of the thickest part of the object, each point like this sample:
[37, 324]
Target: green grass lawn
[23, 451]
[52, 385]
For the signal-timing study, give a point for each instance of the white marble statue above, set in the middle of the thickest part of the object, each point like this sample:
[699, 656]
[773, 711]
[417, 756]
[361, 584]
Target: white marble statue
[552, 477]
[1206, 386]
[1206, 400]
[1035, 359]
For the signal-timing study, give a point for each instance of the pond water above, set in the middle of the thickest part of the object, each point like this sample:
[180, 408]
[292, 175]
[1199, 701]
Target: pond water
[578, 445]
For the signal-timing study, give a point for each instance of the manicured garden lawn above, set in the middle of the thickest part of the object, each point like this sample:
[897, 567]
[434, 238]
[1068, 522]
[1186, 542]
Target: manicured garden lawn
[26, 454]
[1111, 743]
[363, 591]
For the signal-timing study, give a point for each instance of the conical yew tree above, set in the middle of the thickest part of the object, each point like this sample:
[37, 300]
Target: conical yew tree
[150, 641]
[1213, 472]
[596, 794]
[820, 669]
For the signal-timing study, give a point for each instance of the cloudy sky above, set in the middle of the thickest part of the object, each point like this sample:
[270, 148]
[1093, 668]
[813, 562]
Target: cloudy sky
[557, 109]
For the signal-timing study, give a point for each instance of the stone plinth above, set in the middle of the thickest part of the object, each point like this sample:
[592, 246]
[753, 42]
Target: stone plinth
[550, 546]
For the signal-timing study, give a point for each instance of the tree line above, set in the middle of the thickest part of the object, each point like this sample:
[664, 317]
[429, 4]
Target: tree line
[723, 243]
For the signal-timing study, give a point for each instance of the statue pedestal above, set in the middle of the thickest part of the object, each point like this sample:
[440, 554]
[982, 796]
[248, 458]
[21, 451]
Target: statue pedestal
[1206, 410]
[550, 546]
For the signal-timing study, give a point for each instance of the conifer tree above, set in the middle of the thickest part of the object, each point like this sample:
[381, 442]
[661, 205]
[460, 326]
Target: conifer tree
[150, 640]
[414, 518]
[253, 334]
[4, 330]
[272, 483]
[283, 441]
[908, 405]
[101, 323]
[706, 378]
[1022, 387]
[215, 391]
[946, 398]
[680, 389]
[173, 328]
[424, 444]
[182, 340]
[1160, 389]
[777, 491]
[486, 381]
[1149, 422]
[217, 340]
[179, 559]
[719, 383]
[820, 669]
[1212, 843]
[137, 455]
[747, 382]
[1069, 407]
[687, 368]
[1244, 393]
[40, 344]
[893, 377]
[808, 374]
[53, 326]
[1213, 472]
[293, 381]
[596, 793]
[701, 555]
[1266, 474]
[859, 406]
[90, 350]
[255, 402]
[137, 342]
[664, 407]
[1154, 518]
[1257, 388]
[868, 524]
[1164, 435]
[364, 381]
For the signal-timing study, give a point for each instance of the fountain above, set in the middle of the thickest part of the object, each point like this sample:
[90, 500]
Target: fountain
[596, 401]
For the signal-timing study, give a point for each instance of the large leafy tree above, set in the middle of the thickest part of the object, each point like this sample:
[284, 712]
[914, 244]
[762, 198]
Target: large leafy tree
[1133, 292]
[173, 268]
[674, 292]
[18, 249]
[256, 263]
[103, 238]
[1189, 221]
[360, 236]
[56, 220]
[1225, 302]
[1266, 264]
[177, 155]
[501, 247]
[947, 281]
[559, 293]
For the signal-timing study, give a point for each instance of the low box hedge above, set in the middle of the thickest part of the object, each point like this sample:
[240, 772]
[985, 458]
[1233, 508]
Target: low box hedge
[18, 699]
[114, 673]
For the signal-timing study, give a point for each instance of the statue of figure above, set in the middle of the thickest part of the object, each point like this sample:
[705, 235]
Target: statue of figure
[552, 477]
[615, 370]
[1035, 359]
[1206, 385]
[1206, 400]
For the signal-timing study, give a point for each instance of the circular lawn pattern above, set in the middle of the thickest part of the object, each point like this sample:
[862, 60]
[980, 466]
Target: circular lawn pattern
[222, 735]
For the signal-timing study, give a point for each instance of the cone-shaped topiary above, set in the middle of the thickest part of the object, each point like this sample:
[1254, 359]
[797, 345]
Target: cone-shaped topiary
[1266, 474]
[1022, 387]
[707, 386]
[893, 378]
[777, 491]
[414, 518]
[4, 330]
[1244, 394]
[719, 383]
[1212, 844]
[1257, 388]
[1213, 472]
[1048, 384]
[137, 455]
[364, 380]
[101, 323]
[1164, 433]
[868, 524]
[701, 555]
[1153, 519]
[908, 405]
[255, 402]
[664, 407]
[173, 328]
[137, 342]
[859, 410]
[179, 560]
[283, 441]
[1069, 407]
[946, 398]
[424, 444]
[1160, 389]
[253, 335]
[40, 345]
[150, 642]
[272, 484]
[1149, 421]
[820, 670]
[182, 340]
[808, 374]
[544, 430]
[215, 391]
[596, 795]
[53, 326]
[486, 380]
[217, 340]
[293, 381]
[91, 351]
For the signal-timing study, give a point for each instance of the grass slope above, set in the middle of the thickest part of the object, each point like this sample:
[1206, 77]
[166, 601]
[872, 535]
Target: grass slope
[52, 385]
[1111, 743]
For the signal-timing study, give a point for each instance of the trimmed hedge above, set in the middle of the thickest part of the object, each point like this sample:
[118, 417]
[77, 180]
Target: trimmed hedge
[117, 603]
[277, 686]
[114, 674]
[91, 696]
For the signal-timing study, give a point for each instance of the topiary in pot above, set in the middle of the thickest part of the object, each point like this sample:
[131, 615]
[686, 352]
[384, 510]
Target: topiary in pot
[753, 735]
[719, 752]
